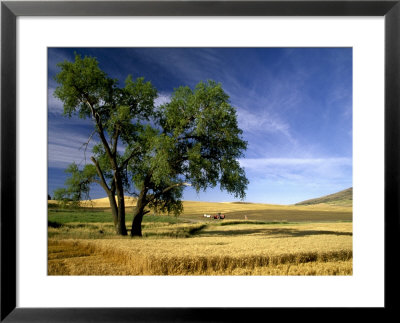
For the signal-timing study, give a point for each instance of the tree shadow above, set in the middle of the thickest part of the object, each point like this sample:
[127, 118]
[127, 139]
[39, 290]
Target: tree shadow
[274, 233]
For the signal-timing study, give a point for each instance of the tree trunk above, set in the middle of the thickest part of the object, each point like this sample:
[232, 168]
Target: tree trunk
[121, 225]
[114, 208]
[137, 223]
[118, 211]
[138, 215]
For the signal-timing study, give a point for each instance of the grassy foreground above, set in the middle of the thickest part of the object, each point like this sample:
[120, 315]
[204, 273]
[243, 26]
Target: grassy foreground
[273, 240]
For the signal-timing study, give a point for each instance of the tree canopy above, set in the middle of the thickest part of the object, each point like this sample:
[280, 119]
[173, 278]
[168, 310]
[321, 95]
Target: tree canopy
[149, 151]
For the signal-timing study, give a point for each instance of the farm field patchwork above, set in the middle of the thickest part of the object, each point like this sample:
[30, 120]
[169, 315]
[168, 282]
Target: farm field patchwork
[274, 240]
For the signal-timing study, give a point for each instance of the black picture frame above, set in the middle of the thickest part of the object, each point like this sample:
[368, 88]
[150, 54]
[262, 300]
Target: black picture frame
[10, 10]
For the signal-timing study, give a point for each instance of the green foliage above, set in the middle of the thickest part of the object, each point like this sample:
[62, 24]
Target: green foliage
[77, 185]
[205, 140]
[117, 113]
[192, 139]
[196, 140]
[83, 82]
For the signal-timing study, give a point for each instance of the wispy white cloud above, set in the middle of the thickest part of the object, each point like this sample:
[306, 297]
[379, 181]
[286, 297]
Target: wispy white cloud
[54, 105]
[267, 109]
[256, 163]
[57, 56]
[262, 121]
[66, 147]
[301, 170]
[162, 99]
[281, 106]
[62, 156]
[178, 62]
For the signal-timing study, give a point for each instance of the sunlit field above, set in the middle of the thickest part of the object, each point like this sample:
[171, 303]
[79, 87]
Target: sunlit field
[254, 239]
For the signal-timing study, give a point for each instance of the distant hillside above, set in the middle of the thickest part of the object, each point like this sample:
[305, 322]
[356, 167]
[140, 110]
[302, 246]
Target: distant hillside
[342, 198]
[101, 202]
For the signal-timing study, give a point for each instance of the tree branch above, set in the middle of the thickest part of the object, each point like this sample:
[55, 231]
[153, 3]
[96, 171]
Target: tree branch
[115, 137]
[101, 132]
[86, 144]
[189, 137]
[132, 193]
[103, 182]
[167, 189]
[126, 161]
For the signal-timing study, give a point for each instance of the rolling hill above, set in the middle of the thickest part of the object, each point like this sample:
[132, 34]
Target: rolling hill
[342, 198]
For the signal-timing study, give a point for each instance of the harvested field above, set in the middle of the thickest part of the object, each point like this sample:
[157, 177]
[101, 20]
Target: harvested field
[254, 239]
[194, 210]
[207, 249]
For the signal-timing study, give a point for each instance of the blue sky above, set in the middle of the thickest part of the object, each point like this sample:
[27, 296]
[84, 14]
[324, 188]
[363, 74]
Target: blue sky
[294, 106]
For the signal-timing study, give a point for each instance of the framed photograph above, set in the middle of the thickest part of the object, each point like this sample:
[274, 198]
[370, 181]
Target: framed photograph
[303, 133]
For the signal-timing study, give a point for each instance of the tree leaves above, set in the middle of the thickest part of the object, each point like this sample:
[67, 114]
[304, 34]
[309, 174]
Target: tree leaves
[77, 185]
[208, 140]
[82, 82]
[193, 138]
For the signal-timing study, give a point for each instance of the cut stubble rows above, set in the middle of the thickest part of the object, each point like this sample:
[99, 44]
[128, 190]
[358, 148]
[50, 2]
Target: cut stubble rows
[205, 249]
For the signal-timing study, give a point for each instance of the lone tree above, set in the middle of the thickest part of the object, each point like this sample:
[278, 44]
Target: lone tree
[151, 152]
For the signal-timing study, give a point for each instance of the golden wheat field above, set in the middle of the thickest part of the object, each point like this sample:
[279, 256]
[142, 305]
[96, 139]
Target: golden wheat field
[255, 239]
